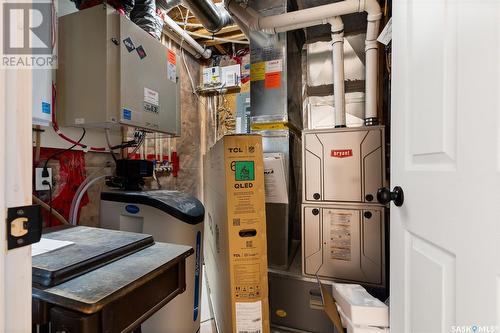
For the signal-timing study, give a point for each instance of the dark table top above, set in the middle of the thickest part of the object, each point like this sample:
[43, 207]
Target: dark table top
[92, 248]
[90, 292]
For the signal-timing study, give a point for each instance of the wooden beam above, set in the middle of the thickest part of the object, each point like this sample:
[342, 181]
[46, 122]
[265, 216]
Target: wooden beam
[213, 42]
[227, 29]
[220, 48]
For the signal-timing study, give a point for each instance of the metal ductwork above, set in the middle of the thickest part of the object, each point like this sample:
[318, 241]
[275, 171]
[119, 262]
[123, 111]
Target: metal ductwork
[167, 5]
[213, 17]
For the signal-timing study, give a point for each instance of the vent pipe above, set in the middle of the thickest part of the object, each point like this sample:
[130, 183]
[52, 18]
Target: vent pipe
[184, 35]
[167, 5]
[338, 70]
[212, 17]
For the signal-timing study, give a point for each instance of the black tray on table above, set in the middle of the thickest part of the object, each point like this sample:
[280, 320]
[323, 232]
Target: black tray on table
[92, 248]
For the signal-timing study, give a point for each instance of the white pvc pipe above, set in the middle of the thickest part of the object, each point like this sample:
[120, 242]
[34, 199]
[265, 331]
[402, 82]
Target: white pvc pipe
[173, 36]
[320, 15]
[301, 18]
[371, 66]
[300, 26]
[338, 70]
[205, 53]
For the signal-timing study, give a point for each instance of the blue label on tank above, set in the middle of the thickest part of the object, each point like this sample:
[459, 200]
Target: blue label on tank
[132, 209]
[197, 277]
[127, 114]
[45, 107]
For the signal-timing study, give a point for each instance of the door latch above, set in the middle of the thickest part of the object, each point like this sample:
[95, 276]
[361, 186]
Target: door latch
[24, 226]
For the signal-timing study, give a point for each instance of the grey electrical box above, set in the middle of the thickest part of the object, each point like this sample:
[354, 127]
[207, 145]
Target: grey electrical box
[343, 165]
[111, 72]
[344, 243]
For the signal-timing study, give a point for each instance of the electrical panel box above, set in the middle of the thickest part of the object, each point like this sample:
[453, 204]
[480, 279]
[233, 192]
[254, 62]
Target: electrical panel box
[343, 165]
[344, 242]
[42, 97]
[111, 73]
[211, 76]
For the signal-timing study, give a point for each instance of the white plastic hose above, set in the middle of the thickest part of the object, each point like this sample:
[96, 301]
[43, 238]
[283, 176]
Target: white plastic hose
[75, 205]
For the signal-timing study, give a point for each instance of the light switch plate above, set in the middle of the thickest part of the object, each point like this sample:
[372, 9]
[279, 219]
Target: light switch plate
[39, 179]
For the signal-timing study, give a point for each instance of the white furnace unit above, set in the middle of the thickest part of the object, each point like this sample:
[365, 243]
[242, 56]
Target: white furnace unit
[111, 72]
[170, 217]
[343, 165]
[344, 242]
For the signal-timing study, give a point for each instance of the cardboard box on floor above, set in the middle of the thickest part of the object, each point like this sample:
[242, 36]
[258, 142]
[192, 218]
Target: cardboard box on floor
[235, 234]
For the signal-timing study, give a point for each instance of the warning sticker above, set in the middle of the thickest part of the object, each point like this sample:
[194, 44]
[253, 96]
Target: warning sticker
[274, 66]
[247, 276]
[340, 235]
[249, 317]
[273, 80]
[258, 71]
[171, 66]
[171, 57]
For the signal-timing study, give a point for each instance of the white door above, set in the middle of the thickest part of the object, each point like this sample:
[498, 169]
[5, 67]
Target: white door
[445, 154]
[15, 190]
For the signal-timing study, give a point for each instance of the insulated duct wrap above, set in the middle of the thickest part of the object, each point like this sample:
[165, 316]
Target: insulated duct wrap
[141, 12]
[125, 5]
[144, 15]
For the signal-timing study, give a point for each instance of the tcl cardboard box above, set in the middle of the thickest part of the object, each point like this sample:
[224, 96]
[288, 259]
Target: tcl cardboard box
[235, 234]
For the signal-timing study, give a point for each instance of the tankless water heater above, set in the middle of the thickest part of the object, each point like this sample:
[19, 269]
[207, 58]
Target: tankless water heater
[111, 73]
[343, 165]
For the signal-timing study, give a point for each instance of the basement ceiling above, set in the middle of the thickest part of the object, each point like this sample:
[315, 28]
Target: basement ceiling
[222, 40]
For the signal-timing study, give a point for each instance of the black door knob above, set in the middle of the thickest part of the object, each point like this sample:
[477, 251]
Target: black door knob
[384, 196]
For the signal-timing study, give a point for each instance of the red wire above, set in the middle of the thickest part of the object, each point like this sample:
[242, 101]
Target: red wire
[56, 127]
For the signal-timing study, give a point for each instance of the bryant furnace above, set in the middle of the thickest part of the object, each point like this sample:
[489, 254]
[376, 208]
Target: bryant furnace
[343, 225]
[343, 165]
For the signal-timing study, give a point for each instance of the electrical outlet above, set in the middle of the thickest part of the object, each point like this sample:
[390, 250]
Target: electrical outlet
[39, 179]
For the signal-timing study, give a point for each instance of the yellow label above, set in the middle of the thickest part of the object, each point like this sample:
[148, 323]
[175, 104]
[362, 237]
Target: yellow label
[269, 126]
[281, 313]
[258, 71]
